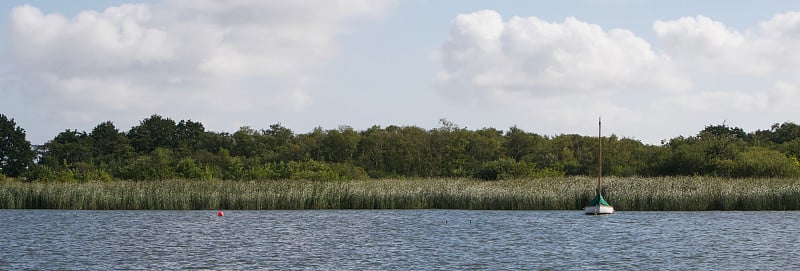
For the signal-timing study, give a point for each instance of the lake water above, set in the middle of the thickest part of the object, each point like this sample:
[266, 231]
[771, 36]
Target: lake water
[397, 240]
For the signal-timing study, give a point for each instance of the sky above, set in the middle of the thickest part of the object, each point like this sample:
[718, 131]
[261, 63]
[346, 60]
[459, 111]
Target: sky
[652, 70]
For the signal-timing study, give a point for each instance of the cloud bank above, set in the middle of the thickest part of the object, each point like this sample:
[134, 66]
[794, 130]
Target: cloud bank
[698, 71]
[176, 57]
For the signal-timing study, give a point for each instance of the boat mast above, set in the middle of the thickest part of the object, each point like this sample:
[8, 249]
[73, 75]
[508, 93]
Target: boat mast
[599, 156]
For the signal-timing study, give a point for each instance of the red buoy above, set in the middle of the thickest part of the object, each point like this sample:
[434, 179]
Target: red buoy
[220, 213]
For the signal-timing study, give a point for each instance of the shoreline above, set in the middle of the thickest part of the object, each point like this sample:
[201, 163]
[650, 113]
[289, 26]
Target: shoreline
[561, 193]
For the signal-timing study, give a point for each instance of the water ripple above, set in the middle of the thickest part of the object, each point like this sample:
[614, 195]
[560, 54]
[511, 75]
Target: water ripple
[397, 239]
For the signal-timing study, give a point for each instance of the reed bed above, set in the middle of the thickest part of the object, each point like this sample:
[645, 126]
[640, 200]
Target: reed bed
[565, 193]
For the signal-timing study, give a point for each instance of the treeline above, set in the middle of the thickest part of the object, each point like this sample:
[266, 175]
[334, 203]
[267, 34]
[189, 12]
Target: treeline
[160, 148]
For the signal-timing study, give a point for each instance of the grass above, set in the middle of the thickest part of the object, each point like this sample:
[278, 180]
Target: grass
[567, 193]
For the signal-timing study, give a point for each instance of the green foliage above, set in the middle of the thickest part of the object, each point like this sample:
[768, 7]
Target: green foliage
[247, 143]
[790, 148]
[507, 169]
[339, 145]
[189, 137]
[16, 155]
[44, 173]
[485, 145]
[547, 173]
[448, 146]
[316, 171]
[777, 134]
[626, 157]
[723, 131]
[152, 133]
[565, 193]
[95, 175]
[108, 144]
[763, 162]
[68, 150]
[346, 171]
[188, 169]
[159, 149]
[504, 169]
[312, 170]
[395, 151]
[687, 158]
[519, 144]
[151, 167]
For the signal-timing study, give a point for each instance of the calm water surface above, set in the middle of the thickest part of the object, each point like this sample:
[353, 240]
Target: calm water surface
[397, 239]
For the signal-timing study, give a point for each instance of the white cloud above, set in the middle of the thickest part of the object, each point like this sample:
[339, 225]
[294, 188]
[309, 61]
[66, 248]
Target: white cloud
[715, 101]
[703, 45]
[784, 97]
[90, 42]
[543, 59]
[563, 73]
[177, 56]
[757, 67]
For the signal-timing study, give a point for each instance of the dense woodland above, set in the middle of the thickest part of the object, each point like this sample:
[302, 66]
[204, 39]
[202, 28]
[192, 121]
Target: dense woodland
[160, 148]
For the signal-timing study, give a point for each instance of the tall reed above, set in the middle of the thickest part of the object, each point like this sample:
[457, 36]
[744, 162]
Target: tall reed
[563, 193]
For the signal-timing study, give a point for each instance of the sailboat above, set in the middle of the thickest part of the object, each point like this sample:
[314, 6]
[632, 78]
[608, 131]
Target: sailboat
[599, 206]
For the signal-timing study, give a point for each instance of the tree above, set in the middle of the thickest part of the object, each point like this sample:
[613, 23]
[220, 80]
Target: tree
[394, 151]
[213, 142]
[109, 144]
[150, 167]
[721, 141]
[780, 133]
[485, 145]
[279, 139]
[623, 157]
[309, 146]
[247, 143]
[372, 151]
[188, 136]
[152, 133]
[518, 143]
[577, 155]
[449, 148]
[339, 145]
[687, 157]
[68, 149]
[761, 162]
[16, 155]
